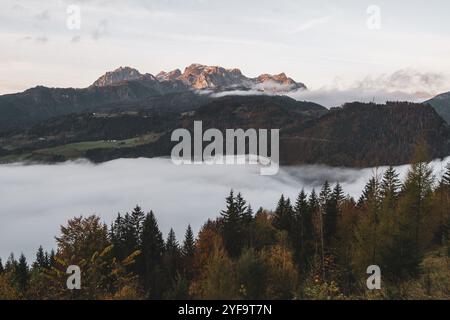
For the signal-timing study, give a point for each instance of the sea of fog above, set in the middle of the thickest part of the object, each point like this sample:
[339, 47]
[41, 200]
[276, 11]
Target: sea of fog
[36, 199]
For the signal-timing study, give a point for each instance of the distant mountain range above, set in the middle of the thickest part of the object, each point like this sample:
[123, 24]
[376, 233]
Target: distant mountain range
[200, 77]
[127, 89]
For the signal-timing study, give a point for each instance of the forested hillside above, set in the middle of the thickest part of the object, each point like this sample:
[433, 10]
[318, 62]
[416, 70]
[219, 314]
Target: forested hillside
[356, 135]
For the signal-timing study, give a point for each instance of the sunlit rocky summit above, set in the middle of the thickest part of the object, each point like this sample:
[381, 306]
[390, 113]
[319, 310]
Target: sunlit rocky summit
[201, 77]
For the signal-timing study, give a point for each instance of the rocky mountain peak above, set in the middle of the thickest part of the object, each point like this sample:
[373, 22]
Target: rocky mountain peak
[199, 76]
[168, 76]
[278, 81]
[117, 76]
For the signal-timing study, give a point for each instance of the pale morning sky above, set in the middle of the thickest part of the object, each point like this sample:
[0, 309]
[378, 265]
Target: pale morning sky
[323, 43]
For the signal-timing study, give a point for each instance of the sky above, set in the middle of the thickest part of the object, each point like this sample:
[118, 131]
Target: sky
[339, 48]
[52, 194]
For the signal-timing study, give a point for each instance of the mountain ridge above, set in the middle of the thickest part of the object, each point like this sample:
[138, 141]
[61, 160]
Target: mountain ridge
[198, 76]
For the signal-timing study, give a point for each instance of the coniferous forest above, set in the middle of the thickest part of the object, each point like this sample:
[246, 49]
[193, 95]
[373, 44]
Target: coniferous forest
[317, 246]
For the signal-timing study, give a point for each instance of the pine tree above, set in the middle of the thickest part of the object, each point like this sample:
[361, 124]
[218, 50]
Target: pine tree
[304, 233]
[247, 216]
[390, 184]
[171, 243]
[172, 258]
[187, 254]
[301, 212]
[47, 259]
[284, 215]
[11, 263]
[130, 238]
[371, 194]
[232, 226]
[313, 202]
[117, 237]
[137, 217]
[314, 211]
[21, 274]
[332, 211]
[152, 242]
[338, 194]
[188, 248]
[51, 259]
[149, 262]
[241, 205]
[41, 260]
[325, 195]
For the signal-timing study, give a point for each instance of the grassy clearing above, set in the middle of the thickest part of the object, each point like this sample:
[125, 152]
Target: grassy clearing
[78, 149]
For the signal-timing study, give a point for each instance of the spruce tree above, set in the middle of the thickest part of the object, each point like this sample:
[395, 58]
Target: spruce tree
[232, 226]
[332, 211]
[187, 253]
[152, 241]
[304, 233]
[314, 211]
[247, 216]
[338, 194]
[390, 184]
[41, 260]
[188, 248]
[329, 203]
[47, 259]
[241, 205]
[149, 262]
[325, 195]
[117, 237]
[313, 202]
[284, 215]
[172, 258]
[1, 266]
[51, 259]
[21, 274]
[11, 263]
[301, 213]
[130, 237]
[171, 243]
[137, 217]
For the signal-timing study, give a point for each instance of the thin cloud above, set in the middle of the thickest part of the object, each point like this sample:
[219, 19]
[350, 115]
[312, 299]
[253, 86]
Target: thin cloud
[401, 85]
[75, 39]
[101, 30]
[405, 79]
[43, 16]
[41, 40]
[313, 23]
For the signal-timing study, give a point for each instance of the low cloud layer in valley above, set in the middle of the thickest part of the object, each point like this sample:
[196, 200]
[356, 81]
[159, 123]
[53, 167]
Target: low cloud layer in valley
[36, 199]
[402, 85]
